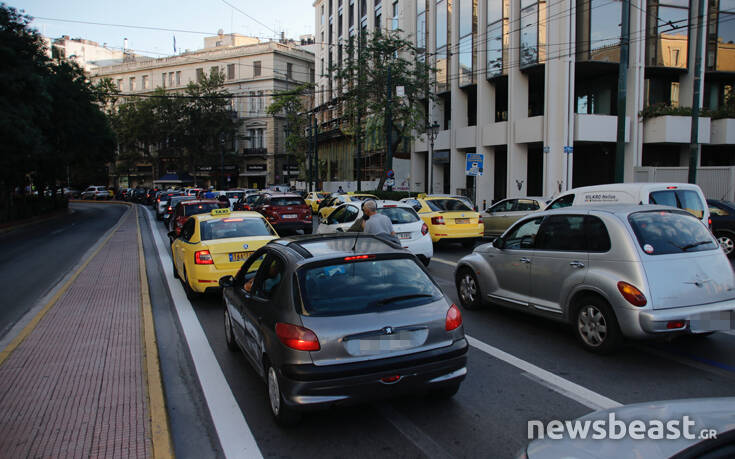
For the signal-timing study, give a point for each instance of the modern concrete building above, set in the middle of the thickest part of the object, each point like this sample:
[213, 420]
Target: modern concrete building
[253, 72]
[532, 85]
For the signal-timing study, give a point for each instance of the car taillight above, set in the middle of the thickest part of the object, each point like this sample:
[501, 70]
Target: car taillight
[203, 257]
[169, 208]
[709, 222]
[479, 220]
[358, 257]
[295, 337]
[424, 229]
[674, 324]
[632, 294]
[454, 318]
[437, 220]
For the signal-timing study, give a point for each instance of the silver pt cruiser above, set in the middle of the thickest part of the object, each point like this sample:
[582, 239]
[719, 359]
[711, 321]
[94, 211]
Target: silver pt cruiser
[611, 271]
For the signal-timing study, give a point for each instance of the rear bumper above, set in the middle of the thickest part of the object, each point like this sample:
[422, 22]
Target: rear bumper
[441, 234]
[291, 225]
[421, 246]
[205, 278]
[313, 387]
[697, 319]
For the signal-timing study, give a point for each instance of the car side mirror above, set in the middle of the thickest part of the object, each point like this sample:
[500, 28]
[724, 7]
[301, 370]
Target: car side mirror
[226, 281]
[499, 243]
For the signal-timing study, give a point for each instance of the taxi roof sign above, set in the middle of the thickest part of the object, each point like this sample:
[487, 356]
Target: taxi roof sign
[218, 212]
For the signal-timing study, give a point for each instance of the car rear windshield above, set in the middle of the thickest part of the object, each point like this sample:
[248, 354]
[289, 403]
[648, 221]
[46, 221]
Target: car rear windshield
[234, 227]
[365, 286]
[439, 205]
[361, 197]
[666, 232]
[399, 215]
[288, 201]
[322, 195]
[233, 194]
[205, 208]
[683, 199]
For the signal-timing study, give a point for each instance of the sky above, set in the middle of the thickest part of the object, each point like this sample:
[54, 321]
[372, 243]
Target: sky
[192, 20]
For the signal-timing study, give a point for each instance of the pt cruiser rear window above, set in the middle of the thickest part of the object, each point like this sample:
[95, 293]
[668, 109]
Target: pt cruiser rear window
[665, 232]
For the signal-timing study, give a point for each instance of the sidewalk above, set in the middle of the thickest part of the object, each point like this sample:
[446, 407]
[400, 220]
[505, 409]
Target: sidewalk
[76, 385]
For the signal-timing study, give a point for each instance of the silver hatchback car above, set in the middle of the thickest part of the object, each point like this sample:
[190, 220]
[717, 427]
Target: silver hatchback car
[612, 271]
[335, 319]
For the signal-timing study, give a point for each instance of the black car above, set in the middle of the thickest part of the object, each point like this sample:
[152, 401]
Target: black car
[722, 214]
[338, 319]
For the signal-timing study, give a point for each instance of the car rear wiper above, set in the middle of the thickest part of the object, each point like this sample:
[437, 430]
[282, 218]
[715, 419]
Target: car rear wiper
[694, 244]
[403, 297]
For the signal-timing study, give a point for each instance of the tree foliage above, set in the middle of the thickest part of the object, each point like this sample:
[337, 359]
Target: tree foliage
[291, 106]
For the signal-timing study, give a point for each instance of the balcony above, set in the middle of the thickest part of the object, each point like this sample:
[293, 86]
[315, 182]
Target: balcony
[674, 129]
[255, 151]
[528, 130]
[598, 128]
[723, 132]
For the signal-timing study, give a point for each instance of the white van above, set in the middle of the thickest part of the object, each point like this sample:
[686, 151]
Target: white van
[682, 195]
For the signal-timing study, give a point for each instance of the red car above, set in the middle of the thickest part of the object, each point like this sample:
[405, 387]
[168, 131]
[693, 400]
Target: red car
[285, 211]
[186, 209]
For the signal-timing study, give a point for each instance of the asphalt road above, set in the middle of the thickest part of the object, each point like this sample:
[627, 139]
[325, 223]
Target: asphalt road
[489, 415]
[36, 257]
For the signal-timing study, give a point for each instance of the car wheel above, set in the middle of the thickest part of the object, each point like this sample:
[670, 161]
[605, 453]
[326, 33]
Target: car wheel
[468, 244]
[229, 337]
[190, 293]
[309, 230]
[444, 393]
[468, 289]
[727, 243]
[596, 326]
[284, 415]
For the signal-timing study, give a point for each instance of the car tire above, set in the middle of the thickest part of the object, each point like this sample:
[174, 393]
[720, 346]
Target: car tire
[444, 393]
[468, 289]
[190, 293]
[284, 415]
[727, 242]
[596, 326]
[229, 336]
[309, 230]
[468, 244]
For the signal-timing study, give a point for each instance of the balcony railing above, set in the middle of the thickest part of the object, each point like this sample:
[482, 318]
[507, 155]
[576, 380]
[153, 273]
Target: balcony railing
[255, 151]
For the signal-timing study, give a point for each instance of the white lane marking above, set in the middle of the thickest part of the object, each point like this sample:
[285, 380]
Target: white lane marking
[418, 437]
[561, 385]
[446, 262]
[229, 421]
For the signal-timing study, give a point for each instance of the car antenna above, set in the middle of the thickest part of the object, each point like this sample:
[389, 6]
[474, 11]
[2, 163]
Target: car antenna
[357, 235]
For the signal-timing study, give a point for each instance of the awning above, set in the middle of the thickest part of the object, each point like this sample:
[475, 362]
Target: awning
[174, 178]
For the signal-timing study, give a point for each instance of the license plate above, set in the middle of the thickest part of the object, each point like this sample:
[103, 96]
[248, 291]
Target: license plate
[713, 321]
[290, 216]
[239, 256]
[404, 235]
[461, 221]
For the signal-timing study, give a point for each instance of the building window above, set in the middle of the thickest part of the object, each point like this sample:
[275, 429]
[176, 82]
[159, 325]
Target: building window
[497, 38]
[467, 30]
[662, 89]
[501, 99]
[132, 83]
[667, 29]
[533, 32]
[721, 36]
[163, 80]
[598, 30]
[421, 25]
[443, 32]
[256, 68]
[253, 102]
[119, 84]
[351, 14]
[260, 101]
[289, 71]
[178, 78]
[145, 81]
[394, 18]
[230, 71]
[596, 94]
[536, 93]
[171, 79]
[378, 16]
[213, 70]
[200, 74]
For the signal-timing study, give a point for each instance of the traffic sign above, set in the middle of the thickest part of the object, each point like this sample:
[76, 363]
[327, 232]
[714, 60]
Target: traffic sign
[475, 164]
[389, 173]
[568, 149]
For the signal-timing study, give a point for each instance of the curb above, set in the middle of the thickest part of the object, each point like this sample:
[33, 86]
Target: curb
[162, 445]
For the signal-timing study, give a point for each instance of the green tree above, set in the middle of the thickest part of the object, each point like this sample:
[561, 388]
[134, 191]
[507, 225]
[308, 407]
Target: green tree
[362, 82]
[290, 105]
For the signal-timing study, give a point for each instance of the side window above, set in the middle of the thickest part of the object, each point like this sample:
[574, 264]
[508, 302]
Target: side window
[350, 214]
[718, 211]
[564, 201]
[414, 203]
[523, 236]
[246, 276]
[691, 202]
[562, 233]
[526, 205]
[187, 231]
[336, 216]
[598, 239]
[269, 277]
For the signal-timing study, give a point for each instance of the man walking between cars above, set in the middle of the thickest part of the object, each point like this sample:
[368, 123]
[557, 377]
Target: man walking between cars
[377, 223]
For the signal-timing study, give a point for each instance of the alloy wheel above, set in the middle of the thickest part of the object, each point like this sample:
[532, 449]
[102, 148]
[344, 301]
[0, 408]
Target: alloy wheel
[592, 326]
[726, 243]
[274, 391]
[468, 289]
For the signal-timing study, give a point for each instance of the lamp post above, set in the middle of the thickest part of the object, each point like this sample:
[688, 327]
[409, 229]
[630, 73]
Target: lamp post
[287, 132]
[432, 130]
[222, 160]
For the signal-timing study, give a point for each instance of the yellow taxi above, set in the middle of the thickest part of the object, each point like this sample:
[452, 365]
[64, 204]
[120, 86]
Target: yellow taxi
[339, 199]
[216, 244]
[314, 198]
[448, 219]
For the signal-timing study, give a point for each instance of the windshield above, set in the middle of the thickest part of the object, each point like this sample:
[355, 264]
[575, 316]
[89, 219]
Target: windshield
[665, 232]
[399, 215]
[234, 227]
[204, 208]
[439, 205]
[365, 286]
[288, 201]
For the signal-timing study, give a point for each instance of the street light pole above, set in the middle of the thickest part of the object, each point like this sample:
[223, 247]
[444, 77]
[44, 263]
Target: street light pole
[222, 160]
[432, 130]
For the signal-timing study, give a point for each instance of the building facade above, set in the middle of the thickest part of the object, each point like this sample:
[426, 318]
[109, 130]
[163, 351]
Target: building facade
[253, 72]
[532, 85]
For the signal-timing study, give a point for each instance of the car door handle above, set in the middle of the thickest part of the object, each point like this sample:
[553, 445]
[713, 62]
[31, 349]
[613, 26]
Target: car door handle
[576, 264]
[525, 260]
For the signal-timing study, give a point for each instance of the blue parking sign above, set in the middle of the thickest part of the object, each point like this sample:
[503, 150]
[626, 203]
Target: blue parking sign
[475, 162]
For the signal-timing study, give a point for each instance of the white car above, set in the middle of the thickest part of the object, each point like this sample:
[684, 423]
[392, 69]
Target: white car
[96, 192]
[410, 229]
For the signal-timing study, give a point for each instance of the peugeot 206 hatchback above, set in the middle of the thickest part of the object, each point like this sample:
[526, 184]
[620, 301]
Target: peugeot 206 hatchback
[611, 271]
[335, 319]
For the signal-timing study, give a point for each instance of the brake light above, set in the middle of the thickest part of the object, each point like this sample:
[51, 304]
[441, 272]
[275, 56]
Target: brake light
[632, 294]
[203, 257]
[424, 229]
[359, 257]
[674, 324]
[389, 205]
[295, 337]
[437, 220]
[454, 318]
[709, 222]
[246, 207]
[169, 208]
[479, 220]
[671, 187]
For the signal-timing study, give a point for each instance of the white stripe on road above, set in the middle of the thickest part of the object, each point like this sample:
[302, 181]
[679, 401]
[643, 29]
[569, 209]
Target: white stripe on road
[234, 434]
[446, 262]
[563, 386]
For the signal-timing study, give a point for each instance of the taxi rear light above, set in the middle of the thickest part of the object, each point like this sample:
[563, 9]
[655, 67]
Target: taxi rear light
[454, 318]
[358, 257]
[632, 294]
[203, 257]
[295, 337]
[437, 220]
[479, 220]
[424, 229]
